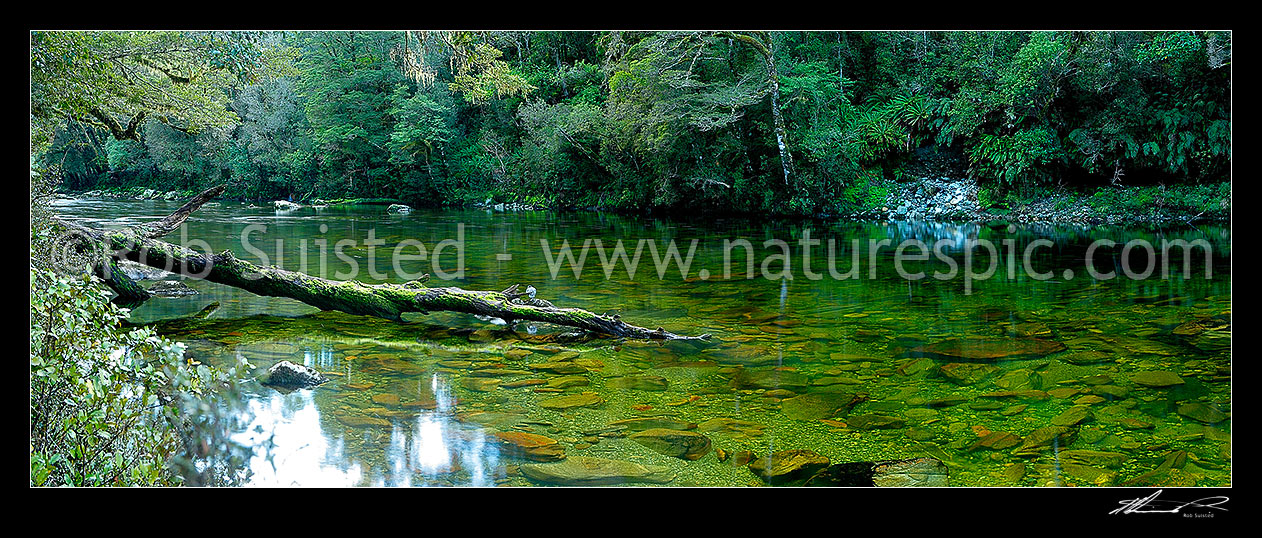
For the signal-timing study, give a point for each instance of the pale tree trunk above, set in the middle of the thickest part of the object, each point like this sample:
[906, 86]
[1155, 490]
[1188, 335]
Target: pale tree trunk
[761, 42]
[786, 159]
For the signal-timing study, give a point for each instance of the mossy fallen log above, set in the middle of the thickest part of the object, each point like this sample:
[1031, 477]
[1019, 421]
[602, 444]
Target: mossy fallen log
[389, 301]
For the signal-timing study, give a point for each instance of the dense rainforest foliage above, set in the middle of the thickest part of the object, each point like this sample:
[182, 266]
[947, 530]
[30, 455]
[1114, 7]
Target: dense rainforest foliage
[779, 122]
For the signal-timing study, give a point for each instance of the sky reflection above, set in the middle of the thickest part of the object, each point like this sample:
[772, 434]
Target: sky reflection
[431, 448]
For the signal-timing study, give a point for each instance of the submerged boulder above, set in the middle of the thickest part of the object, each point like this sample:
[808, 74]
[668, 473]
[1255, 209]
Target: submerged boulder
[818, 405]
[640, 424]
[586, 471]
[988, 349]
[530, 446]
[685, 444]
[724, 425]
[561, 403]
[288, 375]
[1156, 379]
[770, 379]
[788, 467]
[640, 382]
[915, 472]
[1042, 439]
[1202, 412]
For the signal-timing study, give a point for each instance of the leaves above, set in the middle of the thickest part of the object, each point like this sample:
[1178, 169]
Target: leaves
[92, 423]
[624, 119]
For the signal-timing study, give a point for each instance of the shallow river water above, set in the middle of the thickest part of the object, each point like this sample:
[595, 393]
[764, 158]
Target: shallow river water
[1037, 377]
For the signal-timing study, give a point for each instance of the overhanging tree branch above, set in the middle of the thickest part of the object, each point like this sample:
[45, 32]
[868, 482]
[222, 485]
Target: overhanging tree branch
[116, 129]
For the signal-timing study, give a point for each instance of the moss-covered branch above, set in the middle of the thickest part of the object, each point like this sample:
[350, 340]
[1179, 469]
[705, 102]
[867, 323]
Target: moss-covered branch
[388, 301]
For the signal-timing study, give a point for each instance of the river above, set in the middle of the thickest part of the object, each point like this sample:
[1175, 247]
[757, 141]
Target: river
[899, 358]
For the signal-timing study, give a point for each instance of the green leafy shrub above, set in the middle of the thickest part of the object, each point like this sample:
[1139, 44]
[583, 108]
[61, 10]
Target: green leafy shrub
[116, 407]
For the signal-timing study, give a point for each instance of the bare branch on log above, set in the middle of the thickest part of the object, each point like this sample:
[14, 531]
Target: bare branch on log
[173, 221]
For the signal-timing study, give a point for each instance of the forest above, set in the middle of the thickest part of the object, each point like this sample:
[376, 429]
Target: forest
[791, 123]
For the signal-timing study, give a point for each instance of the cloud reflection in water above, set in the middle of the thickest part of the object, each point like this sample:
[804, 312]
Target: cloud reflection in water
[430, 448]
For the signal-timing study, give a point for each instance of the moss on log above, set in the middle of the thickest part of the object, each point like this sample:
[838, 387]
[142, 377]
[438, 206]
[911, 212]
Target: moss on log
[387, 300]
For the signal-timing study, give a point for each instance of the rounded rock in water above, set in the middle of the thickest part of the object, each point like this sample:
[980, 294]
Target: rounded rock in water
[285, 374]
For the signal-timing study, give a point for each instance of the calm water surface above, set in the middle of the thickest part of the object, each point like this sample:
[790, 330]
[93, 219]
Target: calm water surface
[850, 369]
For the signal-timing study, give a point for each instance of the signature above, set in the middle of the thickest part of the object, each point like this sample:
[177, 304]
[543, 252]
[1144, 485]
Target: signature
[1152, 505]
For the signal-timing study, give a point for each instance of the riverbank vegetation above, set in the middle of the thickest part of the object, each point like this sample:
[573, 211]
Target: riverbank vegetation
[747, 122]
[112, 404]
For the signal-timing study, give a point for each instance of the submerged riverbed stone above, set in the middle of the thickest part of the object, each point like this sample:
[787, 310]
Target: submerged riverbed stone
[996, 441]
[569, 381]
[360, 421]
[815, 406]
[1094, 458]
[988, 349]
[1073, 415]
[1202, 412]
[1156, 379]
[480, 384]
[963, 373]
[648, 423]
[589, 471]
[560, 403]
[1043, 438]
[1113, 391]
[498, 372]
[1025, 394]
[732, 425]
[915, 472]
[516, 354]
[1198, 326]
[874, 421]
[530, 446]
[524, 383]
[491, 419]
[639, 382]
[1136, 424]
[288, 375]
[558, 367]
[836, 380]
[946, 401]
[771, 379]
[788, 467]
[1018, 380]
[685, 444]
[389, 400]
[1087, 357]
[1013, 410]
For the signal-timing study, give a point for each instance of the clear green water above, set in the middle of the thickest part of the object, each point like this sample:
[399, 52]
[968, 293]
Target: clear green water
[399, 409]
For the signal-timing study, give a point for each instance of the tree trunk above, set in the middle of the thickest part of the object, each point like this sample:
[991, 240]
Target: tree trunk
[786, 159]
[389, 301]
[761, 42]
